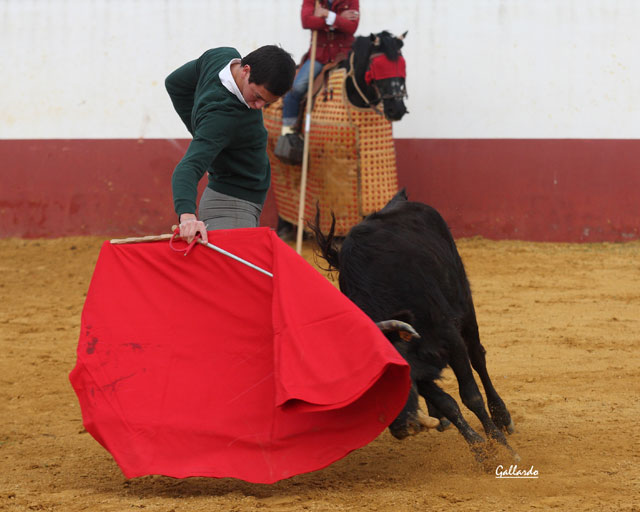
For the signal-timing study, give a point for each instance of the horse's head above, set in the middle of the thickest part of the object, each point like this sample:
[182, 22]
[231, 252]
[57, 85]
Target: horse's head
[379, 73]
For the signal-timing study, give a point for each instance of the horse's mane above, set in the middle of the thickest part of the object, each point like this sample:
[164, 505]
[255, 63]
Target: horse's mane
[361, 47]
[389, 45]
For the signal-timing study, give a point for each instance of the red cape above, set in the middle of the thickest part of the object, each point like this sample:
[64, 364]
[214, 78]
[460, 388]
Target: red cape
[198, 365]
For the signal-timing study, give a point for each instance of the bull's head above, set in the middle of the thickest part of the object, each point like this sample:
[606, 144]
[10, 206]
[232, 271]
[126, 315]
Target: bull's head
[411, 419]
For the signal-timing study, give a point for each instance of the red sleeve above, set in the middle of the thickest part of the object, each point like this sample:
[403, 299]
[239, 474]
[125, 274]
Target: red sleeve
[308, 19]
[343, 24]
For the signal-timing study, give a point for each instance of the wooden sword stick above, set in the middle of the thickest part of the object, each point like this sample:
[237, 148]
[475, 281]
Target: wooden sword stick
[138, 239]
[168, 236]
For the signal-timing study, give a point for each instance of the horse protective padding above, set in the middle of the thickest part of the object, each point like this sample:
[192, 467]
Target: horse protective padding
[382, 67]
[199, 365]
[352, 161]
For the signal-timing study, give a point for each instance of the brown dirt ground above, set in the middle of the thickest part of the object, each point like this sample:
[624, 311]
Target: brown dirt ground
[561, 324]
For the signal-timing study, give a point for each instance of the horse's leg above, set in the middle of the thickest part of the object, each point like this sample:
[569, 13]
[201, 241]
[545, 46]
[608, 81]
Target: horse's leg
[285, 230]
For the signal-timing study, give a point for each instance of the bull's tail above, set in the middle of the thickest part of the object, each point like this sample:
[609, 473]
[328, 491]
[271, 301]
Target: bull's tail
[327, 246]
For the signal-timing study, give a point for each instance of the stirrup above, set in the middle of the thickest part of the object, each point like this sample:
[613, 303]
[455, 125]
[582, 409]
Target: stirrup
[289, 149]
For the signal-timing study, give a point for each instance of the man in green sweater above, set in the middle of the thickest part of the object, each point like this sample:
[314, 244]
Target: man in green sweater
[219, 98]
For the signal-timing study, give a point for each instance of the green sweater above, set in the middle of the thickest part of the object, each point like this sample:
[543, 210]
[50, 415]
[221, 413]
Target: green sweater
[229, 139]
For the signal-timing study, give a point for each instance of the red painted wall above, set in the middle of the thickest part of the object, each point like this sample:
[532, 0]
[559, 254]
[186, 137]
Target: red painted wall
[109, 187]
[546, 190]
[567, 190]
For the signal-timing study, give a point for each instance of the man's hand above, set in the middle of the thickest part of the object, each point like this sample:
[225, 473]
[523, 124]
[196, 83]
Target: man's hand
[351, 15]
[190, 226]
[321, 12]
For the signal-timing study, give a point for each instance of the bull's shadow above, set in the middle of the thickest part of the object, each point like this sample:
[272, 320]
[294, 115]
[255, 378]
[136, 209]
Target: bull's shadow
[401, 263]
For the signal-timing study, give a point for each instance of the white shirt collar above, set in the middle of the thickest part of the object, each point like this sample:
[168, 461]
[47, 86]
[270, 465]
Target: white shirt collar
[227, 80]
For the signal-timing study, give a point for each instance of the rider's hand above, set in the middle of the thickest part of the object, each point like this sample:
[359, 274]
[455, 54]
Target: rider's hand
[321, 12]
[351, 15]
[190, 226]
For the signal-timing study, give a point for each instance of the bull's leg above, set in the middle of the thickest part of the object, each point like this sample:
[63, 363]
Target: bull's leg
[409, 421]
[447, 406]
[435, 413]
[469, 392]
[497, 408]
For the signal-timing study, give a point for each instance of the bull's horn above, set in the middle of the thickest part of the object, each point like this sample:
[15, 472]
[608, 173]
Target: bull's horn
[397, 325]
[401, 37]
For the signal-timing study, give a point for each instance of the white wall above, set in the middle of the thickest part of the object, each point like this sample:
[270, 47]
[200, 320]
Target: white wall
[476, 68]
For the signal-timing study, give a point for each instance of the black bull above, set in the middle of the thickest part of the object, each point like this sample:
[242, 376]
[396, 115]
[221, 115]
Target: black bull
[402, 263]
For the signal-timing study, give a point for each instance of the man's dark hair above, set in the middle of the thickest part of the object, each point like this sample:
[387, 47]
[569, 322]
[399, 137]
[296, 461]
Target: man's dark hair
[271, 67]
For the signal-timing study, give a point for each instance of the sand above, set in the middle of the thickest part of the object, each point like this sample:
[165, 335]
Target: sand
[561, 325]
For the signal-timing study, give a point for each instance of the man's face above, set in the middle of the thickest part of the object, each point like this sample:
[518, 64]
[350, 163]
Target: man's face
[256, 96]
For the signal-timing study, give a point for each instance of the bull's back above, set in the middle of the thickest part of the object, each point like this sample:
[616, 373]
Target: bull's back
[414, 228]
[403, 257]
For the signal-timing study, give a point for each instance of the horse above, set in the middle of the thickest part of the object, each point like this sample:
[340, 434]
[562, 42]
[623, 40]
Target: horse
[377, 72]
[352, 168]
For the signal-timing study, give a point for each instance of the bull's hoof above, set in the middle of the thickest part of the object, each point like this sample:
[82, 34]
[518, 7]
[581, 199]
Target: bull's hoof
[443, 425]
[501, 417]
[400, 434]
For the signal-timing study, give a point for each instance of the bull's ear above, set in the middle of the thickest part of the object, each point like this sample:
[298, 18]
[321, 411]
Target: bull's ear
[404, 316]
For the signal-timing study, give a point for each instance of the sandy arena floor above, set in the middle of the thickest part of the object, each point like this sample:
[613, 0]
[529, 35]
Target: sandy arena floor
[561, 324]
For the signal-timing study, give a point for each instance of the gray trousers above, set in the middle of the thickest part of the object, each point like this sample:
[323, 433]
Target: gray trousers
[220, 211]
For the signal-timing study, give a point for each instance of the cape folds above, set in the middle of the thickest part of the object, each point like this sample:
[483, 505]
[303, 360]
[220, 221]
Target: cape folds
[198, 365]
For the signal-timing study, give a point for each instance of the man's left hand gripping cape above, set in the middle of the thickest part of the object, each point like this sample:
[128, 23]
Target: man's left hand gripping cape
[199, 365]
